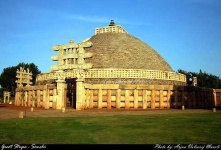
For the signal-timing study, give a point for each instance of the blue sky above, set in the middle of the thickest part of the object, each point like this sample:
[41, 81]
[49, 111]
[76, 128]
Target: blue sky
[186, 33]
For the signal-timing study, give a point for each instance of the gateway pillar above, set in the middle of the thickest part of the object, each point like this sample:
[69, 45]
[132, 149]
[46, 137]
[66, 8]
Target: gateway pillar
[80, 91]
[60, 103]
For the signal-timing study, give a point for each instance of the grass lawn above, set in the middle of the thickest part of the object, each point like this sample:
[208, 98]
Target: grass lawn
[197, 128]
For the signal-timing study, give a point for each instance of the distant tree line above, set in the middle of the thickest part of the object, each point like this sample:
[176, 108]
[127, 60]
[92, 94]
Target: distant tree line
[8, 76]
[203, 79]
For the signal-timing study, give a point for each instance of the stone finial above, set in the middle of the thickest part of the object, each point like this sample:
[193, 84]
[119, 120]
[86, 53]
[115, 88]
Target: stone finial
[112, 23]
[113, 28]
[71, 41]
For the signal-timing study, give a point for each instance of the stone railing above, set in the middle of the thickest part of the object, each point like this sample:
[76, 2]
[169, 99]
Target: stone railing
[118, 73]
[134, 73]
[113, 29]
[130, 96]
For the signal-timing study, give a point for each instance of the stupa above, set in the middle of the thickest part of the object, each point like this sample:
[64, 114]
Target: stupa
[111, 69]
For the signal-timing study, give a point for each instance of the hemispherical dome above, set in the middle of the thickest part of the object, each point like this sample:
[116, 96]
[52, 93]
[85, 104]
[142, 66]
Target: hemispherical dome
[122, 50]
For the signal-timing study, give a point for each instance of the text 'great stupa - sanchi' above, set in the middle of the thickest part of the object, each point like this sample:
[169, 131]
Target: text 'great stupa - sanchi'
[111, 69]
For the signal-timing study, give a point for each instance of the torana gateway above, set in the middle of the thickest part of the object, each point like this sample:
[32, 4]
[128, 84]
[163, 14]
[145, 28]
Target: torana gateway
[111, 69]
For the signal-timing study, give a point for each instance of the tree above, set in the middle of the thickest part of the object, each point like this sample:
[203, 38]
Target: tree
[203, 79]
[8, 76]
[208, 80]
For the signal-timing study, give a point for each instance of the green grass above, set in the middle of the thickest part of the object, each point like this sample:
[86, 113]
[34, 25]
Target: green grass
[198, 128]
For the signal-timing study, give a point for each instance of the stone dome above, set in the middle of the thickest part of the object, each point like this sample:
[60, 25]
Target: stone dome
[111, 56]
[122, 50]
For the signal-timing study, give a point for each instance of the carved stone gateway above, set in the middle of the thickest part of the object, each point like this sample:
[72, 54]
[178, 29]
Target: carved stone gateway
[71, 61]
[71, 57]
[23, 77]
[6, 95]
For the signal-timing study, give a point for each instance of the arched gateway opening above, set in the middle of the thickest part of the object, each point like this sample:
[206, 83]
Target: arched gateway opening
[71, 93]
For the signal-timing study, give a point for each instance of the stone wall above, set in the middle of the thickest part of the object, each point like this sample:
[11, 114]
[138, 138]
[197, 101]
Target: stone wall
[146, 96]
[119, 96]
[44, 96]
[217, 95]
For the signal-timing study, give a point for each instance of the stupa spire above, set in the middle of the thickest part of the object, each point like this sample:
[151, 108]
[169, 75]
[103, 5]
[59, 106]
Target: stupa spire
[112, 23]
[111, 28]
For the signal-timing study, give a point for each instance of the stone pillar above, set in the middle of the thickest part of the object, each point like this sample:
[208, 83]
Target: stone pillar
[26, 98]
[4, 96]
[47, 99]
[127, 99]
[60, 89]
[16, 98]
[214, 98]
[44, 97]
[152, 99]
[144, 99]
[21, 98]
[118, 101]
[161, 105]
[54, 99]
[80, 95]
[168, 98]
[21, 114]
[29, 98]
[214, 110]
[60, 96]
[135, 99]
[108, 99]
[87, 103]
[183, 107]
[91, 103]
[63, 109]
[80, 90]
[38, 98]
[99, 101]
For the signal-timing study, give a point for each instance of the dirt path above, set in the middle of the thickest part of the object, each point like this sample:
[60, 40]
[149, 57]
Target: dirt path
[8, 111]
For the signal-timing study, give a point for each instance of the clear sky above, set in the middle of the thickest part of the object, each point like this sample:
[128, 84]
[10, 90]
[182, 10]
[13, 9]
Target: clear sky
[186, 33]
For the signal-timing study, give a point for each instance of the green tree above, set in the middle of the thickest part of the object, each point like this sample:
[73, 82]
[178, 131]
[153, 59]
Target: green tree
[208, 80]
[8, 76]
[204, 79]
